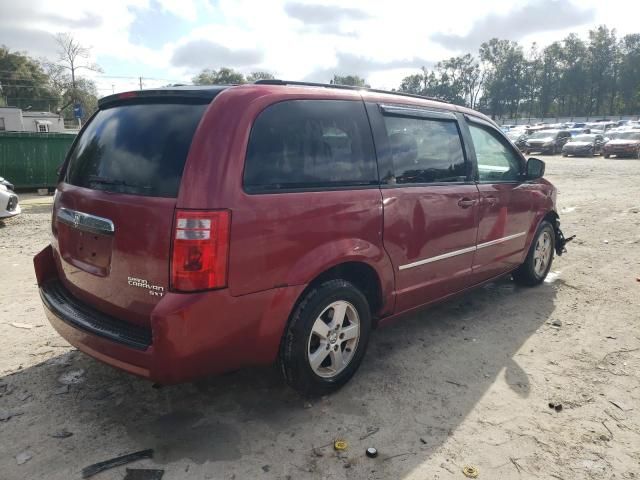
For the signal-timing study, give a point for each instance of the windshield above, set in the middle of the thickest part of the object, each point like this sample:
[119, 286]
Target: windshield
[583, 138]
[543, 134]
[139, 149]
[514, 135]
[627, 135]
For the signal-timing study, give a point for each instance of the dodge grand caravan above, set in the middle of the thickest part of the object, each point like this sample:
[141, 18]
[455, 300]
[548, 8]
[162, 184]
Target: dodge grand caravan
[197, 230]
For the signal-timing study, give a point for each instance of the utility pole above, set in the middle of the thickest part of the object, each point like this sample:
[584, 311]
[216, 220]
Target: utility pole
[140, 80]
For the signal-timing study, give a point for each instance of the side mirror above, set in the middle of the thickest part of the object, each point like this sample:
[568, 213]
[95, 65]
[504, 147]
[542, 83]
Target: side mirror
[535, 169]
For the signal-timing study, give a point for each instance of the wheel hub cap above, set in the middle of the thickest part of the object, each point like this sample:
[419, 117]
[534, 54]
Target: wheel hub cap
[542, 254]
[334, 339]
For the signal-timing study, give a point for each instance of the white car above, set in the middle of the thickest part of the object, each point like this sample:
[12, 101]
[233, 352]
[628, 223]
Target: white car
[9, 206]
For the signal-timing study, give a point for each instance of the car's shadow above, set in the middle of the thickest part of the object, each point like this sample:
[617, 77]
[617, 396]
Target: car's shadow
[420, 378]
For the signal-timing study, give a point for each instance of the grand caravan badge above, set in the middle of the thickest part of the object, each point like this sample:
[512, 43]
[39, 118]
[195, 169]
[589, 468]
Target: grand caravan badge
[154, 290]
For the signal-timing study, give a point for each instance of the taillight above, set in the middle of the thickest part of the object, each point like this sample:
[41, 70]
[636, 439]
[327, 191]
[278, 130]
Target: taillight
[200, 250]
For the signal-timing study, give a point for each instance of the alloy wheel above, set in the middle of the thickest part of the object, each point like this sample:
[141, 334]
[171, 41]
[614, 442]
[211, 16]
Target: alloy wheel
[542, 254]
[334, 339]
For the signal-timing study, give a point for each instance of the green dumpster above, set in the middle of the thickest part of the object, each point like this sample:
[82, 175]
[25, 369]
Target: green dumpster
[29, 160]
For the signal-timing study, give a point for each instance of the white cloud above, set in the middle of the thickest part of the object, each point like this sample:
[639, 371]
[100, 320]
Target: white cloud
[295, 39]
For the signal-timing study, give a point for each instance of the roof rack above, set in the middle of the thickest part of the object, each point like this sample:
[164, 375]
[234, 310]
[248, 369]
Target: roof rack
[343, 87]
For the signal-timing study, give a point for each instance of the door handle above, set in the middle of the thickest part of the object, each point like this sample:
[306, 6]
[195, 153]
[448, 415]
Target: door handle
[466, 202]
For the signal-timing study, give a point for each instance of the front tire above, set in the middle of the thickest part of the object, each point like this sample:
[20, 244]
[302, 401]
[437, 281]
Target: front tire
[539, 258]
[326, 338]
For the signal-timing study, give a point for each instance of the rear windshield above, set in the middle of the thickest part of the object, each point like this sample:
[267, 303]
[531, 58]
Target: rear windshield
[544, 134]
[583, 138]
[139, 149]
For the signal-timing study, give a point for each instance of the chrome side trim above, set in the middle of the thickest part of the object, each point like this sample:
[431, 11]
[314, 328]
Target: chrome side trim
[85, 221]
[500, 240]
[439, 257]
[455, 253]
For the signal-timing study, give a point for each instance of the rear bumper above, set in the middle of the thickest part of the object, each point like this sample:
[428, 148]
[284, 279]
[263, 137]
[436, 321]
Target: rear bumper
[190, 335]
[621, 152]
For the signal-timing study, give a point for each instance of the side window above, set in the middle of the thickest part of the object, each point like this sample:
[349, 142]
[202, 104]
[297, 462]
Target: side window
[310, 144]
[496, 160]
[425, 150]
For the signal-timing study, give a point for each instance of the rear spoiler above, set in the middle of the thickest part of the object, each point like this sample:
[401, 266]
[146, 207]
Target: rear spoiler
[198, 94]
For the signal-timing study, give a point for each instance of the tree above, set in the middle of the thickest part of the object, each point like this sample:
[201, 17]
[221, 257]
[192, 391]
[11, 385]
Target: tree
[351, 80]
[73, 57]
[223, 76]
[574, 80]
[505, 69]
[629, 78]
[255, 76]
[24, 83]
[603, 57]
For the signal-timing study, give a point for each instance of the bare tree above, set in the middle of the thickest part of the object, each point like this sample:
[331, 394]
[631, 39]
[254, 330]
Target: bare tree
[73, 56]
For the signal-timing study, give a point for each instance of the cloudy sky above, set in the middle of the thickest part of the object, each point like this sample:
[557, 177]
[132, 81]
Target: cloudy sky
[171, 40]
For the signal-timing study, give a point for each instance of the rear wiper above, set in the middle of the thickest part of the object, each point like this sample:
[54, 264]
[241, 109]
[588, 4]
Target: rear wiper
[113, 181]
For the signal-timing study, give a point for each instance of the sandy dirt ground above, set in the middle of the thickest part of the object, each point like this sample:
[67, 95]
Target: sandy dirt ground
[467, 383]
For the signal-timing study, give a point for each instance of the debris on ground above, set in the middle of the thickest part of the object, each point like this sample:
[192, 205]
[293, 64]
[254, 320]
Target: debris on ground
[91, 470]
[64, 433]
[5, 389]
[556, 323]
[398, 455]
[372, 452]
[23, 457]
[26, 326]
[24, 396]
[555, 406]
[470, 471]
[72, 377]
[340, 445]
[61, 390]
[620, 405]
[143, 474]
[370, 431]
[7, 414]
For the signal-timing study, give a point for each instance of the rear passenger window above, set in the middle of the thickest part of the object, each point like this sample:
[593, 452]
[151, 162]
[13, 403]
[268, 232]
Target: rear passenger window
[425, 150]
[310, 144]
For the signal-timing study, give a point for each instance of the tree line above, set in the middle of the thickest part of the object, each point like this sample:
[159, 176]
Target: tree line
[43, 84]
[571, 77]
[598, 76]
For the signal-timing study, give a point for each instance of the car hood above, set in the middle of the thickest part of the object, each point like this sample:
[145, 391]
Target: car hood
[540, 140]
[578, 144]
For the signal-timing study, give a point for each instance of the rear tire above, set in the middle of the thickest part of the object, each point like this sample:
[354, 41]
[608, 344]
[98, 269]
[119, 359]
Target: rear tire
[606, 155]
[320, 353]
[539, 258]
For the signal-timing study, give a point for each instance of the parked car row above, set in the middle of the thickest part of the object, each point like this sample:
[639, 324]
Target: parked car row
[578, 139]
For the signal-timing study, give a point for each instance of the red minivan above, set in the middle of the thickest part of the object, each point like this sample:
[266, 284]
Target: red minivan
[197, 230]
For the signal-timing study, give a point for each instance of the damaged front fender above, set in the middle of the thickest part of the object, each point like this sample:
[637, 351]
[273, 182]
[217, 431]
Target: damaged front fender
[561, 240]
